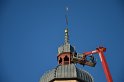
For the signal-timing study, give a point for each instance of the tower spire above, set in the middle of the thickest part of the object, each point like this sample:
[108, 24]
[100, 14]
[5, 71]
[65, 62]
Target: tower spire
[66, 50]
[66, 29]
[66, 16]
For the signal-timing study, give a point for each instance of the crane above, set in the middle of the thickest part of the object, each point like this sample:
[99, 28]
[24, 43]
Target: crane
[82, 59]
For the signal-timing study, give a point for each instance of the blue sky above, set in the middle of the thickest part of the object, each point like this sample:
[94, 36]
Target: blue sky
[32, 30]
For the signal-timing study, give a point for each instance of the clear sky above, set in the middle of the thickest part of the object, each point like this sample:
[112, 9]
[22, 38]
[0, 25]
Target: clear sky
[32, 30]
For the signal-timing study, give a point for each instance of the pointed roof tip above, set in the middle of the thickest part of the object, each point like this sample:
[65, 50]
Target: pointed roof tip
[66, 8]
[66, 15]
[66, 29]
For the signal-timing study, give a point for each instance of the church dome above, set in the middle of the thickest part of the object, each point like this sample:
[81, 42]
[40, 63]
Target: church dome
[64, 72]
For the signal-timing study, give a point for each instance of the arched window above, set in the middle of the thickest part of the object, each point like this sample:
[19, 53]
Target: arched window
[60, 60]
[66, 60]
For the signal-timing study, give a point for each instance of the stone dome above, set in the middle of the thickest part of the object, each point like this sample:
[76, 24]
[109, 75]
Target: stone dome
[64, 72]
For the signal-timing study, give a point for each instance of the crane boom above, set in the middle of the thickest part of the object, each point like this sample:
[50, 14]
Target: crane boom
[101, 51]
[82, 59]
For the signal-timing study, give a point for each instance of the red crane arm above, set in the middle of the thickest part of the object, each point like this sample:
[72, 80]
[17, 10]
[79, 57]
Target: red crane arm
[101, 51]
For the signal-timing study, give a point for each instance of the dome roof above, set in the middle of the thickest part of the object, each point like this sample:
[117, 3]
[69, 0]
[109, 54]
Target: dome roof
[69, 71]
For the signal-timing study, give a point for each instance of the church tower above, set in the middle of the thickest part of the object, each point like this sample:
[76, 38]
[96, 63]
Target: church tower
[66, 70]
